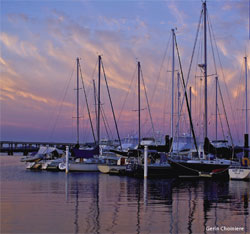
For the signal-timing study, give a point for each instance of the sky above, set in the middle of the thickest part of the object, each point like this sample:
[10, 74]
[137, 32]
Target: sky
[40, 41]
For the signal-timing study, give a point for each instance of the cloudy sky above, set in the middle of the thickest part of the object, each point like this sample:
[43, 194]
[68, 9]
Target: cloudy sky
[40, 41]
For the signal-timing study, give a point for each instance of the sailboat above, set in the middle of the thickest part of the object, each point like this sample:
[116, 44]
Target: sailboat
[88, 159]
[157, 165]
[242, 172]
[84, 160]
[198, 162]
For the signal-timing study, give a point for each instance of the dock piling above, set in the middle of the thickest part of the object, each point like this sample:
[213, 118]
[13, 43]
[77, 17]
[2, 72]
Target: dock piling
[67, 159]
[145, 161]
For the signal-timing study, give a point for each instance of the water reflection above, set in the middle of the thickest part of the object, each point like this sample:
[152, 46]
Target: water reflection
[176, 206]
[98, 203]
[240, 193]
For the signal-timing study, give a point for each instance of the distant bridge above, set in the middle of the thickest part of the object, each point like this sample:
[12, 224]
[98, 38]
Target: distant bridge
[11, 147]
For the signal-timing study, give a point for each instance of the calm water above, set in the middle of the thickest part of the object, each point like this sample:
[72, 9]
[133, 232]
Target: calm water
[53, 202]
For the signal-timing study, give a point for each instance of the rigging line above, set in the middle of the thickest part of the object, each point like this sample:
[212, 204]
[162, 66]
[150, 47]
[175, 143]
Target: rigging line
[199, 58]
[111, 104]
[238, 90]
[106, 125]
[60, 107]
[149, 111]
[225, 114]
[189, 70]
[95, 93]
[224, 137]
[195, 42]
[185, 92]
[211, 42]
[164, 107]
[200, 108]
[86, 100]
[164, 56]
[95, 97]
[123, 104]
[166, 91]
[84, 130]
[223, 75]
[197, 101]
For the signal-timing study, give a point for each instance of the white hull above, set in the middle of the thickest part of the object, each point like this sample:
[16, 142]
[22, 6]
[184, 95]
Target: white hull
[239, 173]
[107, 168]
[29, 165]
[45, 165]
[33, 165]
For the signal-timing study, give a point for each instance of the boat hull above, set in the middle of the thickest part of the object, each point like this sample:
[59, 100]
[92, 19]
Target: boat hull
[83, 167]
[154, 171]
[195, 169]
[239, 173]
[104, 168]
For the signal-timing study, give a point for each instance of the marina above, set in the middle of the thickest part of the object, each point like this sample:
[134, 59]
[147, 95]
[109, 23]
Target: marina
[132, 120]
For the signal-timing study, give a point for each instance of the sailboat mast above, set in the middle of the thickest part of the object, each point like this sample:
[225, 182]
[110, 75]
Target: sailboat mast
[216, 108]
[246, 145]
[95, 105]
[246, 123]
[77, 100]
[139, 103]
[173, 67]
[99, 99]
[178, 111]
[205, 67]
[190, 99]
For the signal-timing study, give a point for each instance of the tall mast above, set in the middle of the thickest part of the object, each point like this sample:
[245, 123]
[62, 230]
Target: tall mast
[178, 110]
[139, 104]
[111, 104]
[205, 67]
[246, 145]
[190, 99]
[246, 123]
[99, 99]
[77, 100]
[95, 105]
[173, 67]
[216, 108]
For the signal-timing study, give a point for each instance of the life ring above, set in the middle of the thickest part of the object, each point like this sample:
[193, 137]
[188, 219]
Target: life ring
[62, 166]
[245, 161]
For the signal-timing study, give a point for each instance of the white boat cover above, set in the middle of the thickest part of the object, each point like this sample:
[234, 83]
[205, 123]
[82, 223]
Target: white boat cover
[48, 150]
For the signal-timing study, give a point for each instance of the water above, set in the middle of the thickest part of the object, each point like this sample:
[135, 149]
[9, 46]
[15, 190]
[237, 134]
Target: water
[53, 202]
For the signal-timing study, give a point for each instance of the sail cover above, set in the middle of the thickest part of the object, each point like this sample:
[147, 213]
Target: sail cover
[48, 150]
[85, 153]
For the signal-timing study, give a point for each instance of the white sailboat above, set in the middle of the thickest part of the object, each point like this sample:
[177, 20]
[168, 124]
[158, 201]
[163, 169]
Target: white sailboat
[82, 160]
[88, 159]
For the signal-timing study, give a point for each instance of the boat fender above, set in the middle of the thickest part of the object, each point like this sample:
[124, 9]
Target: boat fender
[245, 161]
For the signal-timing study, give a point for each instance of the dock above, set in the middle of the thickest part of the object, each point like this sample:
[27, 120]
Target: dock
[11, 147]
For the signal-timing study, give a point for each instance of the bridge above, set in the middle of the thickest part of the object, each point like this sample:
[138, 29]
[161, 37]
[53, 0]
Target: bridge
[11, 147]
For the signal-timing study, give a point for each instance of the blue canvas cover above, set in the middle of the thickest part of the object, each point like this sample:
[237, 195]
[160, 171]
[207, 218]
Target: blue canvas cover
[85, 153]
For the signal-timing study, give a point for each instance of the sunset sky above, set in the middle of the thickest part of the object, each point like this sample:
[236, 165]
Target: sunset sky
[40, 41]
